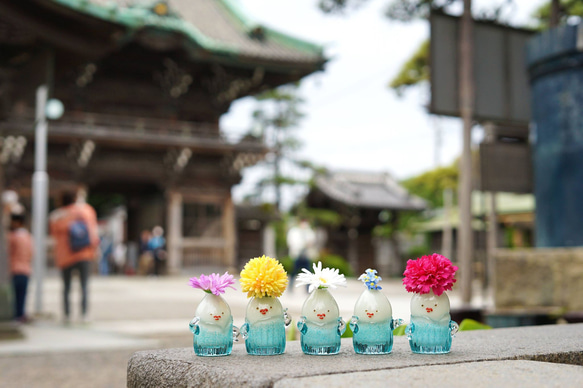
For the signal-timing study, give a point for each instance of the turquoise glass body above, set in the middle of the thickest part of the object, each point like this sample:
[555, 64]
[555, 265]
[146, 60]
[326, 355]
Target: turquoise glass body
[264, 338]
[430, 337]
[212, 340]
[373, 338]
[321, 339]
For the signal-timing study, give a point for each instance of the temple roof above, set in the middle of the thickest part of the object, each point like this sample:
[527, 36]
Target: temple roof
[215, 26]
[368, 190]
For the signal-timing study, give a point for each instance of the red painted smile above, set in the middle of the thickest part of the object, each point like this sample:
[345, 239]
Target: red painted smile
[321, 316]
[263, 311]
[216, 317]
[370, 315]
[429, 309]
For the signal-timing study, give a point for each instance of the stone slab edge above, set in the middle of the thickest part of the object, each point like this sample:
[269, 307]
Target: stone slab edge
[181, 368]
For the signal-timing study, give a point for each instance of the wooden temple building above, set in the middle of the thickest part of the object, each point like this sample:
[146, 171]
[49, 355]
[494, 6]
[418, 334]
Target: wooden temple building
[143, 84]
[363, 200]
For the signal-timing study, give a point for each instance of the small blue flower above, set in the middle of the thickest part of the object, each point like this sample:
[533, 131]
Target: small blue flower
[371, 279]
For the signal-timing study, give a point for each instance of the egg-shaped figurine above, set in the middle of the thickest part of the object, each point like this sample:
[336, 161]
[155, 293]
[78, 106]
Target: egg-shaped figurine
[320, 325]
[264, 280]
[372, 323]
[212, 327]
[431, 329]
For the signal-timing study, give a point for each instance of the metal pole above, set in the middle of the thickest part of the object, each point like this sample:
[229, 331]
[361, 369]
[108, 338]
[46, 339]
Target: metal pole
[465, 235]
[40, 183]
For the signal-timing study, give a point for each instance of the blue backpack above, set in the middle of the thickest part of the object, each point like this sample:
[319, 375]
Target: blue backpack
[78, 235]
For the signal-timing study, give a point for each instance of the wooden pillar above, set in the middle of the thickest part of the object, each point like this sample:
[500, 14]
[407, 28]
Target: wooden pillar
[492, 243]
[174, 226]
[229, 233]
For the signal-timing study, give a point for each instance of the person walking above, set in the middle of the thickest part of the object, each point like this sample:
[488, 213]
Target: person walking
[20, 249]
[157, 245]
[301, 241]
[74, 229]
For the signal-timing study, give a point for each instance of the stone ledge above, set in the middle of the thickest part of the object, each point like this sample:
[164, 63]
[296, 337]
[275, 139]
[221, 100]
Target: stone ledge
[181, 368]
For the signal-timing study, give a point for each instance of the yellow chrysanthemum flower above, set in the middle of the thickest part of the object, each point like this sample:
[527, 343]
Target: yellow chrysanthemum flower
[263, 276]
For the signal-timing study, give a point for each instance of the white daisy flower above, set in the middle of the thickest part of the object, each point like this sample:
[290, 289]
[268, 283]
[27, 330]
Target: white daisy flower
[321, 278]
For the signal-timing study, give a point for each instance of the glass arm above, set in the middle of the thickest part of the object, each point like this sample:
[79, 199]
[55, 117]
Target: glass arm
[354, 324]
[302, 327]
[236, 333]
[286, 318]
[245, 330]
[193, 325]
[341, 326]
[453, 328]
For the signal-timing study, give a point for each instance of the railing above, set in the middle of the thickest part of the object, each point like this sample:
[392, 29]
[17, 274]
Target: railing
[92, 125]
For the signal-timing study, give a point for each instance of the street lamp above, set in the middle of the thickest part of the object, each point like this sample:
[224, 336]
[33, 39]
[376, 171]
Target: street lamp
[40, 182]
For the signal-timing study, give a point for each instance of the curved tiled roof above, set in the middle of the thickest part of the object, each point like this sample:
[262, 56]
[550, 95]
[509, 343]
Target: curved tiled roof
[218, 26]
[366, 189]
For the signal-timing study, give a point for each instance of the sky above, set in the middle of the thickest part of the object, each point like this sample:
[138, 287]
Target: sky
[354, 121]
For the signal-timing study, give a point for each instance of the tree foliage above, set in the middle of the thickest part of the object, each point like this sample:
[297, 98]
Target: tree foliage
[430, 185]
[414, 71]
[277, 115]
[567, 8]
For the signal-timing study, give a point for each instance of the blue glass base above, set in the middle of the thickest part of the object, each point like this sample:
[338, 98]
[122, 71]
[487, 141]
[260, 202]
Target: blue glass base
[429, 337]
[265, 338]
[320, 340]
[373, 338]
[212, 340]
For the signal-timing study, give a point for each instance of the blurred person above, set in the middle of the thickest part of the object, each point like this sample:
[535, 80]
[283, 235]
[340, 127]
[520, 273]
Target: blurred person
[20, 251]
[146, 259]
[157, 245]
[301, 240]
[74, 229]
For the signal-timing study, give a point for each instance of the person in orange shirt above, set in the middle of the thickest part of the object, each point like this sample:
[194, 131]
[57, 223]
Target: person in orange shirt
[20, 248]
[74, 229]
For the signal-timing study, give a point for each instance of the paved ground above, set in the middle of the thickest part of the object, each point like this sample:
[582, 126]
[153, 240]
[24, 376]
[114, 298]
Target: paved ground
[129, 314]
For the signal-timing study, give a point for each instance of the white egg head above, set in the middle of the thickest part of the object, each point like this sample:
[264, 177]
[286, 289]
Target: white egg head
[213, 310]
[430, 305]
[261, 309]
[320, 307]
[373, 306]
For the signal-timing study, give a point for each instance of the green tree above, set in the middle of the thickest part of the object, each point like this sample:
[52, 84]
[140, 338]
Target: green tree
[276, 118]
[566, 8]
[430, 185]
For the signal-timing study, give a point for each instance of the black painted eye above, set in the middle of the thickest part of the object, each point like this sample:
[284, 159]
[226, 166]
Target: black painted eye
[366, 311]
[422, 305]
[328, 310]
[314, 310]
[436, 305]
[211, 314]
[223, 313]
[377, 311]
[272, 307]
[256, 308]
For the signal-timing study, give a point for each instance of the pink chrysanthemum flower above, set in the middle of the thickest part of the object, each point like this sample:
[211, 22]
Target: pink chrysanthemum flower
[213, 283]
[429, 273]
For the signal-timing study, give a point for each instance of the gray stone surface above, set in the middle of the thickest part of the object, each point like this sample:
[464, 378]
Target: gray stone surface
[181, 368]
[474, 374]
[539, 278]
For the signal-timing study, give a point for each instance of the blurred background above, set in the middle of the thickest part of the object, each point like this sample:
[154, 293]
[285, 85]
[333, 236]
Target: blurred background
[205, 132]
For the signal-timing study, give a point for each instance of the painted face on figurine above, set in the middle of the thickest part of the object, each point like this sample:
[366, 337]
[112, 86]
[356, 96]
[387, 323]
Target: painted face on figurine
[217, 313]
[322, 309]
[261, 309]
[372, 307]
[431, 306]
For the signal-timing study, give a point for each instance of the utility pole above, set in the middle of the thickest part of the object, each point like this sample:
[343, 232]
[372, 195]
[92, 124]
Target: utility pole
[40, 184]
[466, 92]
